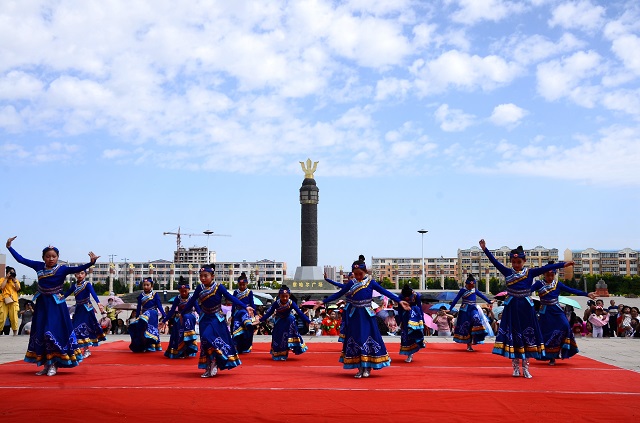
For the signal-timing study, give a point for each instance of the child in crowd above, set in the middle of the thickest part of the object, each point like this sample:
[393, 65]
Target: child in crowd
[469, 328]
[242, 325]
[183, 338]
[144, 332]
[519, 336]
[85, 323]
[412, 324]
[52, 340]
[285, 335]
[217, 350]
[599, 320]
[362, 344]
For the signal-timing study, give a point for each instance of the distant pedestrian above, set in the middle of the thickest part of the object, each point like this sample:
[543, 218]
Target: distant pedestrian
[9, 305]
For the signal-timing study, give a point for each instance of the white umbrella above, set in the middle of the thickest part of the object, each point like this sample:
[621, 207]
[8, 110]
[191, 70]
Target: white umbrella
[263, 295]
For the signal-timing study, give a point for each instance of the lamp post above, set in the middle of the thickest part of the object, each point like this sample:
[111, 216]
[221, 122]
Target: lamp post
[422, 232]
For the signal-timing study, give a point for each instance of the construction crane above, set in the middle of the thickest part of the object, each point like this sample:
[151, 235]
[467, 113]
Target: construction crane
[179, 234]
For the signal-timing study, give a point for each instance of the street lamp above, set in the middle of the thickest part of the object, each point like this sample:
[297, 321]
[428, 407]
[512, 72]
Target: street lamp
[422, 232]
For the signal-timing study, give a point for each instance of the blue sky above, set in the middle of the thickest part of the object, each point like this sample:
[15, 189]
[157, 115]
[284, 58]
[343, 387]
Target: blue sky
[513, 121]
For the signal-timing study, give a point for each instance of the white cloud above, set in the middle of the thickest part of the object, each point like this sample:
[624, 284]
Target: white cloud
[508, 115]
[453, 120]
[474, 11]
[392, 88]
[560, 78]
[535, 48]
[581, 14]
[612, 159]
[18, 85]
[461, 70]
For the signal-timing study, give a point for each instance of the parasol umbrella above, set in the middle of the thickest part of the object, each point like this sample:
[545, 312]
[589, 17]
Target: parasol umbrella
[501, 295]
[116, 300]
[569, 301]
[262, 295]
[446, 296]
[386, 312]
[309, 304]
[428, 322]
[437, 306]
[257, 301]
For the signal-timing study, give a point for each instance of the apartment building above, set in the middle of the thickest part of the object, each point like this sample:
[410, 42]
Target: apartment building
[598, 262]
[474, 261]
[397, 269]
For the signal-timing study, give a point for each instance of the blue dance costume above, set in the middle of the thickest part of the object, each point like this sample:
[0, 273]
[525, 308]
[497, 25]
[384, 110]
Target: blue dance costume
[85, 323]
[469, 328]
[52, 340]
[412, 332]
[362, 344]
[285, 335]
[241, 327]
[519, 335]
[183, 338]
[216, 345]
[559, 341]
[144, 329]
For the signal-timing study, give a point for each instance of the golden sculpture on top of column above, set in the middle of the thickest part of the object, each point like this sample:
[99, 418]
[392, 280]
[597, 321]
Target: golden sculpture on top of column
[308, 169]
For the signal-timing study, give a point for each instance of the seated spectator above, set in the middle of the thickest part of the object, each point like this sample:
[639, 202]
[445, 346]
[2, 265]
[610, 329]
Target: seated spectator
[105, 323]
[120, 329]
[635, 326]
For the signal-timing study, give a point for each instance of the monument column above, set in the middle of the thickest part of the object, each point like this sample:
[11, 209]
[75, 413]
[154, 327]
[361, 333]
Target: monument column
[309, 274]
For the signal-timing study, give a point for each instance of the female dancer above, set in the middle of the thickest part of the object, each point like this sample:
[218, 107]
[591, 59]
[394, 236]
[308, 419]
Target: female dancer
[559, 341]
[85, 323]
[285, 335]
[519, 335]
[412, 331]
[144, 329]
[182, 340]
[216, 346]
[242, 324]
[52, 341]
[469, 328]
[362, 345]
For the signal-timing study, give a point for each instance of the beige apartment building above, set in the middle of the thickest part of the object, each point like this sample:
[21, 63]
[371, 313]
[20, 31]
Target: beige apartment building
[599, 262]
[474, 261]
[403, 268]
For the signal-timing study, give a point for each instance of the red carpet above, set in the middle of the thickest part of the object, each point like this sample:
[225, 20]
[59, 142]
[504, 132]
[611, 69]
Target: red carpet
[443, 382]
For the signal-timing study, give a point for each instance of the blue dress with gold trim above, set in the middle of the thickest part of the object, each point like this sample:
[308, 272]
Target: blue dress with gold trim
[362, 344]
[241, 327]
[559, 341]
[85, 323]
[216, 344]
[285, 335]
[412, 331]
[519, 335]
[52, 339]
[469, 327]
[144, 329]
[183, 340]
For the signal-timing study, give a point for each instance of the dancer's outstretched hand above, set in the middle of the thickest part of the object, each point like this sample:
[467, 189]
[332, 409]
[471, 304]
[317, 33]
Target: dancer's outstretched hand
[483, 244]
[93, 257]
[10, 240]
